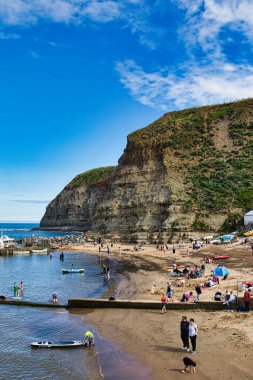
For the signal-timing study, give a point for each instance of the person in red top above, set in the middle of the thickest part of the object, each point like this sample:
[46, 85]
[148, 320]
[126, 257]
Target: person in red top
[246, 298]
[164, 301]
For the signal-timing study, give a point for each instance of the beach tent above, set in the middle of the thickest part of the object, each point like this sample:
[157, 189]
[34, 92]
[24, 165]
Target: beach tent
[220, 270]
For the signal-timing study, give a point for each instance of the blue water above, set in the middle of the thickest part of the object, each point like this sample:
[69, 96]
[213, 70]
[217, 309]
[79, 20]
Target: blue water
[20, 326]
[19, 231]
[43, 276]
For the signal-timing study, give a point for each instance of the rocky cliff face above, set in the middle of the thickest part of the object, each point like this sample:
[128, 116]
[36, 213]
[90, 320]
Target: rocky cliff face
[191, 170]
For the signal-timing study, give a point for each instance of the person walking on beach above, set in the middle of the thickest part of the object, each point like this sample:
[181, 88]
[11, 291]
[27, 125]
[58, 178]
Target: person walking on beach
[188, 362]
[184, 329]
[246, 299]
[173, 249]
[164, 301]
[170, 291]
[193, 332]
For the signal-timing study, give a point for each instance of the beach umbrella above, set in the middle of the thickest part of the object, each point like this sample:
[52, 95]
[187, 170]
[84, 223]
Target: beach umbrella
[220, 270]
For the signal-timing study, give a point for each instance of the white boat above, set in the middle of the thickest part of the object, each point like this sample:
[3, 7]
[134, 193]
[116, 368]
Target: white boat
[7, 241]
[40, 251]
[21, 252]
[72, 344]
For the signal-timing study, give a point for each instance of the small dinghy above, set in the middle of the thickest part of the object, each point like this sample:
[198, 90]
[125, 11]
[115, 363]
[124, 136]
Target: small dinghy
[224, 257]
[65, 271]
[71, 344]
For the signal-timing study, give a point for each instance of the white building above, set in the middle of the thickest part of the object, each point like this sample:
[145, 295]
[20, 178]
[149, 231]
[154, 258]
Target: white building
[248, 217]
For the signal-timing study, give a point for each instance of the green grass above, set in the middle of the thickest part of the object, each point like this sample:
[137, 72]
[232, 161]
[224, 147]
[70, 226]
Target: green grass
[215, 179]
[91, 177]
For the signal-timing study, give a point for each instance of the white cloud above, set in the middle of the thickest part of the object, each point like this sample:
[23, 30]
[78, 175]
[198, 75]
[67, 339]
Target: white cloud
[26, 12]
[206, 18]
[9, 36]
[102, 11]
[199, 86]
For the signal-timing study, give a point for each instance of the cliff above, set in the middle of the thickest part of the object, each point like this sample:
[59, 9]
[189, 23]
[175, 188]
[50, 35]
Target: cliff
[190, 170]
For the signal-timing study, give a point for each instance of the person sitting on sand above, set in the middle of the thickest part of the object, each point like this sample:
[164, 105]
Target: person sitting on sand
[218, 296]
[188, 362]
[232, 299]
[216, 279]
[187, 296]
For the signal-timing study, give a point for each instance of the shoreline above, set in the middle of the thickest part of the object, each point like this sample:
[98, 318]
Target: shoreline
[153, 339]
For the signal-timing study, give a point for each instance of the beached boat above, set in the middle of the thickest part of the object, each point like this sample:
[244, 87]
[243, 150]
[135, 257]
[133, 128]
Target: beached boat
[65, 271]
[221, 257]
[40, 251]
[71, 344]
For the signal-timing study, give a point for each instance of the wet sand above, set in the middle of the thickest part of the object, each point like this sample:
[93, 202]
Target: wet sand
[223, 350]
[224, 344]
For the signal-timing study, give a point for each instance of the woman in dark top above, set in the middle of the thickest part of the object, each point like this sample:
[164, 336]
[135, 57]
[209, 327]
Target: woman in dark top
[184, 329]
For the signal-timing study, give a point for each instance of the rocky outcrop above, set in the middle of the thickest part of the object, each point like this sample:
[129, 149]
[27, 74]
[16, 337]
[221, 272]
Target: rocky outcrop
[189, 171]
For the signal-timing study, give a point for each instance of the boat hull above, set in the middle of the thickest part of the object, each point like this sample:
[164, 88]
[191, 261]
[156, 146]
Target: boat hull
[66, 271]
[71, 344]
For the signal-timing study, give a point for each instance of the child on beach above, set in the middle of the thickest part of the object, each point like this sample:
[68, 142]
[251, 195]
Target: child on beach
[188, 362]
[164, 301]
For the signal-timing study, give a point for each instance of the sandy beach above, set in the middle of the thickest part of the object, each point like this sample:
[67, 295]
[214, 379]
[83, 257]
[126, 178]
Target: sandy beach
[225, 339]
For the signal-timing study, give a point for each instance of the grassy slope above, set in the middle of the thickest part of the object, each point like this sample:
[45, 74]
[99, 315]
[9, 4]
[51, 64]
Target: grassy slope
[216, 178]
[90, 177]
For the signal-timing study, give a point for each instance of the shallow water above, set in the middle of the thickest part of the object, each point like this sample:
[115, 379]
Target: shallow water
[20, 326]
[43, 276]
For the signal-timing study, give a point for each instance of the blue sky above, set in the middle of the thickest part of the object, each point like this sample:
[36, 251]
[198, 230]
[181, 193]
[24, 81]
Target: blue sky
[77, 76]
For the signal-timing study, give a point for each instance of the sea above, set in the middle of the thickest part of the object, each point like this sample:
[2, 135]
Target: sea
[19, 231]
[20, 326]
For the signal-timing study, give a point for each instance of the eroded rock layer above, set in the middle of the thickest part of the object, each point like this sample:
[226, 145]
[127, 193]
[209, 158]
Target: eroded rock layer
[191, 170]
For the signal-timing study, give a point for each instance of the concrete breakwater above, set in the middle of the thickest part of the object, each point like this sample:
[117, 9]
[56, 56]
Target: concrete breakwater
[90, 303]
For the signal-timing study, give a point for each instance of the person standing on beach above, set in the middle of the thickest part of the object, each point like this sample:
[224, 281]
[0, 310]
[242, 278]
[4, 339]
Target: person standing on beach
[193, 332]
[164, 301]
[173, 249]
[198, 291]
[184, 329]
[170, 291]
[246, 299]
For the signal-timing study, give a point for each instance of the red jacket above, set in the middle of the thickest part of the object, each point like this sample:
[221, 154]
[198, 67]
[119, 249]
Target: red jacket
[246, 296]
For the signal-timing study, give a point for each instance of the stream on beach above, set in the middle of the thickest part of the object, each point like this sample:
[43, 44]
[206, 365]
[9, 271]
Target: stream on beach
[21, 325]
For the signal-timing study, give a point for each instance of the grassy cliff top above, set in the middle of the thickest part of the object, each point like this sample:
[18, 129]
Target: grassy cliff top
[184, 122]
[90, 177]
[212, 148]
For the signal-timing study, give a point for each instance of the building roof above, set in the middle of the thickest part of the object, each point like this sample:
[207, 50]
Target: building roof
[249, 213]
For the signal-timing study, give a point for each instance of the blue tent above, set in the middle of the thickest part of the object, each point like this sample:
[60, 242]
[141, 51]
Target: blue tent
[220, 270]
